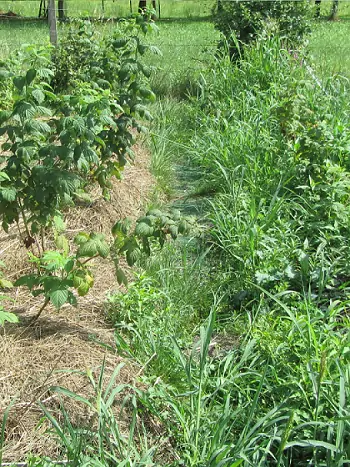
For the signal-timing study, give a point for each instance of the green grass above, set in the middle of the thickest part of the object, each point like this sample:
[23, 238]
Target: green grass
[95, 8]
[329, 47]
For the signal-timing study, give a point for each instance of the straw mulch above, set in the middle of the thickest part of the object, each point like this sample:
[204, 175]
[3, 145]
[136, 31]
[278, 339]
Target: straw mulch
[44, 355]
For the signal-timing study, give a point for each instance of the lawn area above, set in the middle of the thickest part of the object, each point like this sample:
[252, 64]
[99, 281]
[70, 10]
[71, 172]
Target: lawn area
[114, 8]
[185, 45]
[329, 47]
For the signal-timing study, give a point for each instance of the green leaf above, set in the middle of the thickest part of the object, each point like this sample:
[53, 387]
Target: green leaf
[69, 265]
[9, 194]
[59, 224]
[62, 243]
[119, 43]
[53, 260]
[30, 76]
[173, 231]
[5, 284]
[4, 176]
[143, 230]
[38, 95]
[307, 443]
[7, 316]
[103, 249]
[132, 256]
[183, 227]
[4, 116]
[19, 82]
[58, 297]
[155, 212]
[29, 280]
[81, 238]
[176, 214]
[147, 94]
[87, 249]
[83, 289]
[121, 226]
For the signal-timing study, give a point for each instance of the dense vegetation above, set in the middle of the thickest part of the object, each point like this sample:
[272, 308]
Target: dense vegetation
[241, 327]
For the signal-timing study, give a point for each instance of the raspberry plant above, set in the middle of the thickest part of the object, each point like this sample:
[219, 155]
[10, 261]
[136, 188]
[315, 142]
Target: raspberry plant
[61, 137]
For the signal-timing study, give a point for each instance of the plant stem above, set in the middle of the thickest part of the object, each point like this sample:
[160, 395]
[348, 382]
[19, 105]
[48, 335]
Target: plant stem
[36, 317]
[42, 234]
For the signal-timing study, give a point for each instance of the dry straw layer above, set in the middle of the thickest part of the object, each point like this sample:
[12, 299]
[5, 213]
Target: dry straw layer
[59, 347]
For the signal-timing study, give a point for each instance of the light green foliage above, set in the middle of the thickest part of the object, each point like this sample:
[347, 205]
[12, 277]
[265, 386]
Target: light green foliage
[278, 159]
[165, 302]
[5, 316]
[103, 443]
[59, 273]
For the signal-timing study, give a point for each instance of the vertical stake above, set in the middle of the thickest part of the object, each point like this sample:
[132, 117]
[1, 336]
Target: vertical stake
[52, 22]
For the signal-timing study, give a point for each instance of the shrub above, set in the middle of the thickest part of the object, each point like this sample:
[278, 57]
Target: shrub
[243, 21]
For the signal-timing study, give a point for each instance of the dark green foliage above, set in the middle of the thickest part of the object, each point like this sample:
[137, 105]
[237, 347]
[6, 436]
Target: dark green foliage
[241, 22]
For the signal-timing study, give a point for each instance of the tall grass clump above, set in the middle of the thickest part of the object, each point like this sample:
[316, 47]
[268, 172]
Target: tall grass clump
[273, 146]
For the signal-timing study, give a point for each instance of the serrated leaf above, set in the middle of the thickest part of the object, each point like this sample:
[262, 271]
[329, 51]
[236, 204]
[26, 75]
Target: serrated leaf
[81, 238]
[58, 297]
[121, 226]
[155, 212]
[19, 82]
[69, 265]
[87, 249]
[9, 194]
[83, 289]
[103, 249]
[53, 260]
[38, 95]
[4, 176]
[147, 220]
[29, 280]
[132, 256]
[143, 229]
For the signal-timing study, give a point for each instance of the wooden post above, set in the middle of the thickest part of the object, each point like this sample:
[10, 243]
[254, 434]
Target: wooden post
[61, 12]
[52, 22]
[142, 6]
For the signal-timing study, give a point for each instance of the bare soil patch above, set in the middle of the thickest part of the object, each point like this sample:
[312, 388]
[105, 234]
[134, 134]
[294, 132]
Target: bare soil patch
[59, 348]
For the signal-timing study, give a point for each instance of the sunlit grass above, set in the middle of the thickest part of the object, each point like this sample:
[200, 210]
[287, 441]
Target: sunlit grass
[329, 46]
[98, 8]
